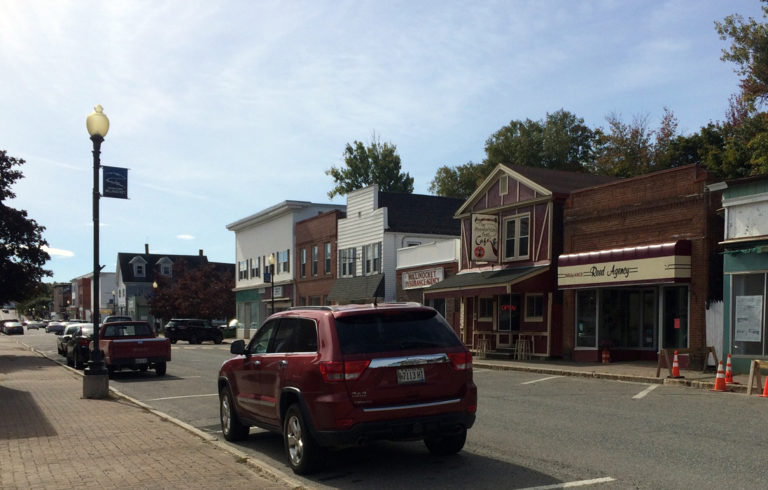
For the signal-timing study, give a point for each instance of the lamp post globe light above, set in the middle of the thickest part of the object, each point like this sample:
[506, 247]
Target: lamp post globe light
[96, 379]
[272, 280]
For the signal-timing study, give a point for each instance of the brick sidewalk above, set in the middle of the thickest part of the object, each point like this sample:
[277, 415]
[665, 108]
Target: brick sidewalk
[50, 437]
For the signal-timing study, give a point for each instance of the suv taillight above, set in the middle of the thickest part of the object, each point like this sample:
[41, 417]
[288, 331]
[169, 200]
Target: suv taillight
[462, 361]
[84, 342]
[334, 372]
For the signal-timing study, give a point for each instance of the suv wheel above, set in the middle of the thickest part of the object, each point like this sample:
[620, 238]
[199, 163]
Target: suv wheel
[230, 423]
[446, 444]
[79, 364]
[172, 339]
[217, 339]
[304, 454]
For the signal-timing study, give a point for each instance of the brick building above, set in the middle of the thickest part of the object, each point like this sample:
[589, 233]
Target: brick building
[640, 265]
[316, 258]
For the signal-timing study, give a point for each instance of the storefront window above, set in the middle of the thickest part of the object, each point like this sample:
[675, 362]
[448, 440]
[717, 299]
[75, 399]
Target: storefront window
[485, 309]
[509, 313]
[438, 304]
[586, 318]
[628, 317]
[675, 318]
[748, 317]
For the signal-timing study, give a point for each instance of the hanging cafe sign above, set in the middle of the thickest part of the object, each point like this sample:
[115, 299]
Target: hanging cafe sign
[662, 263]
[485, 237]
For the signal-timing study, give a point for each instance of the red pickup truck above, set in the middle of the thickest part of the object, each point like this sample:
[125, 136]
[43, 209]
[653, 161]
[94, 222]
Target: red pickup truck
[133, 345]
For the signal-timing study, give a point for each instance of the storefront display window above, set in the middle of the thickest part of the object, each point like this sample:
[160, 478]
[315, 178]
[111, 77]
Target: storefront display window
[485, 309]
[534, 307]
[675, 318]
[749, 314]
[586, 318]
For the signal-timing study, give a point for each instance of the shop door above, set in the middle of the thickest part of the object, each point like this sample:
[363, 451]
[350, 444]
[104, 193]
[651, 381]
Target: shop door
[509, 319]
[674, 318]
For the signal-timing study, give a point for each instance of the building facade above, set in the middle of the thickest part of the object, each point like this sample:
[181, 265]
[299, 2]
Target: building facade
[316, 258]
[640, 265]
[376, 225]
[265, 245]
[511, 234]
[745, 269]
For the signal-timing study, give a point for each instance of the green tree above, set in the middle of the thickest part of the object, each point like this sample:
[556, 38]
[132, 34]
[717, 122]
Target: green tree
[567, 143]
[460, 181]
[378, 163]
[22, 255]
[519, 143]
[194, 292]
[749, 50]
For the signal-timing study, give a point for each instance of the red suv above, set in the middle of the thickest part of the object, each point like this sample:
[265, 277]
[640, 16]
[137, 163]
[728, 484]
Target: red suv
[340, 376]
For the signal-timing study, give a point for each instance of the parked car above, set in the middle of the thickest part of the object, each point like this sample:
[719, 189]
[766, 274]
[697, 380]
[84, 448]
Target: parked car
[55, 327]
[35, 325]
[334, 377]
[116, 318]
[64, 336]
[133, 345]
[77, 349]
[13, 328]
[193, 330]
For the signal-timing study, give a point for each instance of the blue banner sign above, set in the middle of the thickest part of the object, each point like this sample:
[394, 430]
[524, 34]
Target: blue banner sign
[115, 182]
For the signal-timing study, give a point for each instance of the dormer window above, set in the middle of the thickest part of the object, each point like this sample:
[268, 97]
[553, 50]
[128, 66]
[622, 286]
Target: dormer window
[138, 270]
[139, 266]
[165, 266]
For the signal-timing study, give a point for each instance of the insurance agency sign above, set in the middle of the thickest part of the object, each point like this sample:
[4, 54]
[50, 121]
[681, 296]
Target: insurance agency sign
[422, 278]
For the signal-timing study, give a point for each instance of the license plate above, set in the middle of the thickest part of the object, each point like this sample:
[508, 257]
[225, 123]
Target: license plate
[140, 361]
[410, 375]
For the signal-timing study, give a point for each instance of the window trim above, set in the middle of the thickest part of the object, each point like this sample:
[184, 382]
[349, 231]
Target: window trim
[528, 316]
[516, 219]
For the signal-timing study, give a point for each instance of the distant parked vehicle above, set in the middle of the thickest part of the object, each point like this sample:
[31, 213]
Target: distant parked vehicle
[133, 345]
[193, 330]
[63, 338]
[77, 350]
[35, 325]
[13, 328]
[55, 327]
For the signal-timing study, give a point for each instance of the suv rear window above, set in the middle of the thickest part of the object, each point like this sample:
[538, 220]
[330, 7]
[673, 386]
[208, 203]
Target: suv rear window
[373, 333]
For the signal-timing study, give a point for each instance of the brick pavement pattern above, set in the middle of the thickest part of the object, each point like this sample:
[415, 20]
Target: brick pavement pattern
[52, 438]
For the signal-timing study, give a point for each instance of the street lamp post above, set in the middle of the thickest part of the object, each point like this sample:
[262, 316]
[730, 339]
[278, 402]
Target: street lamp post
[96, 379]
[272, 279]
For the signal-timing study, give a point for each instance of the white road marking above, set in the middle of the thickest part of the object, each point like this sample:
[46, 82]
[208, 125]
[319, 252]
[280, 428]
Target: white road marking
[645, 392]
[542, 379]
[177, 397]
[571, 484]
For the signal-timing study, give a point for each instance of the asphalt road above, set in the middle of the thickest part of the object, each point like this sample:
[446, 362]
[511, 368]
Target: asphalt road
[533, 431]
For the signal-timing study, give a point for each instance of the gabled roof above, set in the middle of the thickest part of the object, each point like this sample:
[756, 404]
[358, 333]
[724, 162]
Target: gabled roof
[418, 213]
[560, 181]
[126, 270]
[543, 181]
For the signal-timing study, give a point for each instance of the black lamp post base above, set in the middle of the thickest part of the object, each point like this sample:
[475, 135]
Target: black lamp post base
[96, 381]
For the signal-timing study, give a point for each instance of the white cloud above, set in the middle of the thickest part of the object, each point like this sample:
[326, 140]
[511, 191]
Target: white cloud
[185, 237]
[57, 252]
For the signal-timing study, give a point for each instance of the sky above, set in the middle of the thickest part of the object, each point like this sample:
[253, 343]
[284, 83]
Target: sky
[222, 109]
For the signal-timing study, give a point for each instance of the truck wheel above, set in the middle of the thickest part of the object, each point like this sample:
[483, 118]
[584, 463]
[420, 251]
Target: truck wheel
[143, 368]
[231, 427]
[172, 339]
[160, 368]
[304, 454]
[218, 339]
[446, 444]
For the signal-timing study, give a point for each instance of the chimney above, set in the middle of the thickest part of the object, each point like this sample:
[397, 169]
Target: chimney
[201, 252]
[146, 248]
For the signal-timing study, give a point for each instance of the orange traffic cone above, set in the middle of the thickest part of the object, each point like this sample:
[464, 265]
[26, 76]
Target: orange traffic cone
[720, 380]
[676, 367]
[729, 373]
[765, 388]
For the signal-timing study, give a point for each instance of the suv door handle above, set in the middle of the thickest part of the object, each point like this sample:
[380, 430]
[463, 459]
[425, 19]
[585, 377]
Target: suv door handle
[254, 363]
[283, 364]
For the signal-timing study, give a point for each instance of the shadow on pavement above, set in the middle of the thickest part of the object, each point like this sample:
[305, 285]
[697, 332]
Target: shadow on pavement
[21, 417]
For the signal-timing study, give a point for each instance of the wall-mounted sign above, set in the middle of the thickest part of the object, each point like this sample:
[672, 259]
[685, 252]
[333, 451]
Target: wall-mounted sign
[115, 182]
[485, 237]
[422, 278]
[650, 270]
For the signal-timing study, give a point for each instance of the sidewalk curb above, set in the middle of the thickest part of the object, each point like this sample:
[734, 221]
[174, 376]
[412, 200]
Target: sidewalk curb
[704, 385]
[259, 466]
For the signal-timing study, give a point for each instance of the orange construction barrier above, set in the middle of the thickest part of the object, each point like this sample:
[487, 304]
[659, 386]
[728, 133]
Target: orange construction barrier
[676, 367]
[765, 389]
[729, 373]
[720, 380]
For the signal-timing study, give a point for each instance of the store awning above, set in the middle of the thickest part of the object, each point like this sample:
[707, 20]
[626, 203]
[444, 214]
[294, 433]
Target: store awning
[482, 283]
[356, 289]
[648, 264]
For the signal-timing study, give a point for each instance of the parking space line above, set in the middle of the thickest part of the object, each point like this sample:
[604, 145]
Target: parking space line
[572, 484]
[645, 392]
[541, 379]
[177, 397]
